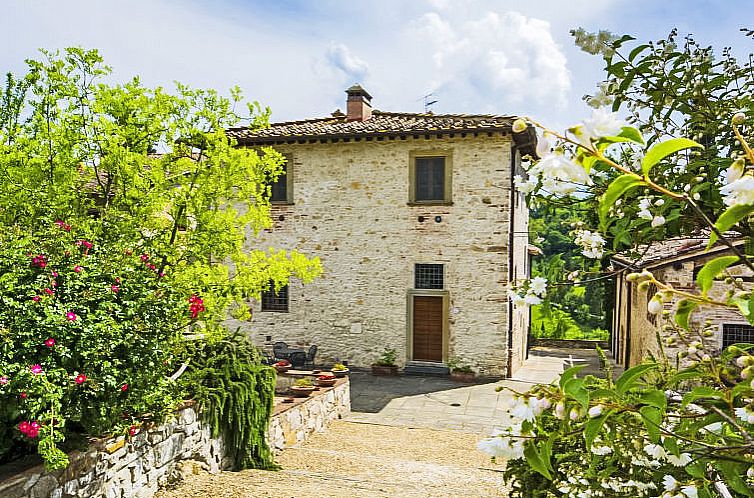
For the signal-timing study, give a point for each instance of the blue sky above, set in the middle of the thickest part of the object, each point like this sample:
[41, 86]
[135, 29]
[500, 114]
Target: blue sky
[476, 56]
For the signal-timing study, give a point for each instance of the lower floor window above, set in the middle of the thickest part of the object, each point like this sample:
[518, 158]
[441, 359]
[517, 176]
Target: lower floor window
[275, 301]
[737, 333]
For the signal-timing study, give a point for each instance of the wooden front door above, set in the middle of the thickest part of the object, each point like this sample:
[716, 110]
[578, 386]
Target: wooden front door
[428, 328]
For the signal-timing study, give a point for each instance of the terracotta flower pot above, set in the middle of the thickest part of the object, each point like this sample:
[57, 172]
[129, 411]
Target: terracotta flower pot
[326, 382]
[302, 391]
[468, 377]
[340, 373]
[281, 368]
[384, 370]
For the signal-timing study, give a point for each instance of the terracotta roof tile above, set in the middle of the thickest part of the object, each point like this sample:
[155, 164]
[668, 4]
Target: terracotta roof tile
[380, 124]
[656, 252]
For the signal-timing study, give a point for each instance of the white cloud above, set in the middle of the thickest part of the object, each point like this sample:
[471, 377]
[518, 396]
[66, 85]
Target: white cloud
[507, 56]
[341, 57]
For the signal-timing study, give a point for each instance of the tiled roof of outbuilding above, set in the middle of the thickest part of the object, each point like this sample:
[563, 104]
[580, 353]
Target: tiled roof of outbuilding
[669, 249]
[380, 124]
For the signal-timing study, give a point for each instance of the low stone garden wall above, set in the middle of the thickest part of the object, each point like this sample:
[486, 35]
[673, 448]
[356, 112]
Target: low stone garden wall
[138, 466]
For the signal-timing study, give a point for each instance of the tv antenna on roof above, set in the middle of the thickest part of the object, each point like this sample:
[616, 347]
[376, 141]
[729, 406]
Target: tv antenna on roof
[428, 102]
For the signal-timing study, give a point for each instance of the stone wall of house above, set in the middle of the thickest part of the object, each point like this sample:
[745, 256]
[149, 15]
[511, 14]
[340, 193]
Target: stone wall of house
[137, 467]
[644, 326]
[351, 209]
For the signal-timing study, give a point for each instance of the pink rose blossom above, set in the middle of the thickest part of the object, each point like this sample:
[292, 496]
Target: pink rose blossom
[24, 395]
[145, 257]
[71, 316]
[133, 430]
[80, 379]
[114, 288]
[63, 225]
[50, 342]
[4, 380]
[40, 261]
[36, 369]
[35, 299]
[124, 387]
[49, 292]
[54, 274]
[77, 269]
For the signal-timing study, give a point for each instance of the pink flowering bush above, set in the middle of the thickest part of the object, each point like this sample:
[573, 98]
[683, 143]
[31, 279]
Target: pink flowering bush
[87, 334]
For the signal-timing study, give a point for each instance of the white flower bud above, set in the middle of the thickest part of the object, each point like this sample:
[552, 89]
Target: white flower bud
[595, 411]
[655, 305]
[658, 221]
[738, 118]
[574, 415]
[559, 411]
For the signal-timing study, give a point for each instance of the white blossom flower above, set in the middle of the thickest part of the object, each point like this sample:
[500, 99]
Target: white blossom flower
[532, 300]
[601, 450]
[592, 243]
[670, 483]
[603, 123]
[655, 451]
[658, 221]
[740, 191]
[504, 444]
[560, 175]
[679, 461]
[516, 299]
[690, 491]
[525, 186]
[644, 205]
[595, 411]
[538, 285]
[745, 414]
[545, 145]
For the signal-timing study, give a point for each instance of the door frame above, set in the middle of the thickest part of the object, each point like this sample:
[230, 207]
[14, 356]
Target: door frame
[445, 295]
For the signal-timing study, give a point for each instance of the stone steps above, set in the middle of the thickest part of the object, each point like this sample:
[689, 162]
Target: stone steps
[426, 368]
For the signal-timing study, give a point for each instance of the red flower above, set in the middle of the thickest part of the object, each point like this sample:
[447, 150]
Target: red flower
[114, 288]
[35, 299]
[24, 395]
[24, 427]
[133, 430]
[77, 269]
[145, 257]
[4, 380]
[49, 291]
[84, 243]
[80, 379]
[50, 342]
[63, 225]
[196, 305]
[124, 387]
[71, 316]
[36, 369]
[54, 273]
[39, 261]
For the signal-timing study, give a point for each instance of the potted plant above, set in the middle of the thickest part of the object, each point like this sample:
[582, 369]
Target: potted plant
[302, 388]
[340, 370]
[282, 366]
[326, 380]
[460, 372]
[385, 365]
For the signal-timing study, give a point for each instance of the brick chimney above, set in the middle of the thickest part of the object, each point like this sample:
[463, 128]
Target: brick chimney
[358, 104]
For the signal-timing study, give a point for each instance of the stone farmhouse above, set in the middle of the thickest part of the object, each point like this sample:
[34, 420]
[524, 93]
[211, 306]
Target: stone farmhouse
[676, 262]
[419, 229]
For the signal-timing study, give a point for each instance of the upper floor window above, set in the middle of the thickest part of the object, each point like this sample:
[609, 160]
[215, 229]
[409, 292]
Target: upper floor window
[430, 179]
[281, 190]
[275, 301]
[737, 333]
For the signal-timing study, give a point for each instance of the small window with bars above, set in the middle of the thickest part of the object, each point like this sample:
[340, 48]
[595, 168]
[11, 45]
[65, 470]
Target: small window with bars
[429, 276]
[275, 301]
[734, 333]
[280, 189]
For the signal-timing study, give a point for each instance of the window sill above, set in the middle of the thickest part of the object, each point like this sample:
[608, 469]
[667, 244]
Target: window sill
[429, 203]
[281, 203]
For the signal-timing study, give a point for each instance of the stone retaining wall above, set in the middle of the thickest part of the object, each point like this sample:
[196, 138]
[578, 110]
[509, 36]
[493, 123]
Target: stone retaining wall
[137, 467]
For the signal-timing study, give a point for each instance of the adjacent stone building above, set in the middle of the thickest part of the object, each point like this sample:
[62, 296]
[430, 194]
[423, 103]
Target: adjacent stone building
[419, 230]
[676, 262]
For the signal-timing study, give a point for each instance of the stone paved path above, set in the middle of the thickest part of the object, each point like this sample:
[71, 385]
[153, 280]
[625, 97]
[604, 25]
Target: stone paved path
[363, 460]
[406, 437]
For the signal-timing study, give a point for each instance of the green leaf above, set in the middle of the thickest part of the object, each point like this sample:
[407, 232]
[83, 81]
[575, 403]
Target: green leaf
[703, 392]
[617, 188]
[630, 377]
[655, 398]
[592, 428]
[711, 270]
[730, 217]
[570, 374]
[575, 389]
[652, 417]
[535, 460]
[664, 149]
[632, 134]
[732, 472]
[695, 469]
[683, 310]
